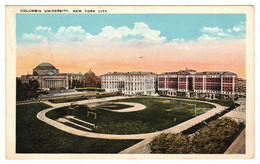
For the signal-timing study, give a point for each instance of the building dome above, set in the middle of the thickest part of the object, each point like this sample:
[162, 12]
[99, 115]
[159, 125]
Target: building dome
[90, 72]
[45, 66]
[45, 69]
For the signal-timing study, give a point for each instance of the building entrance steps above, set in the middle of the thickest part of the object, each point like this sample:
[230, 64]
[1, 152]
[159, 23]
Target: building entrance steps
[73, 118]
[73, 123]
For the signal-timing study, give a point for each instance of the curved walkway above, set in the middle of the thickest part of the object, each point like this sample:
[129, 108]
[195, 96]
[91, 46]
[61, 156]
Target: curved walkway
[175, 129]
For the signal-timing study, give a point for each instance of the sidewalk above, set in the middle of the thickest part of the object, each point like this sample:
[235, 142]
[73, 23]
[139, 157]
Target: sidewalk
[238, 146]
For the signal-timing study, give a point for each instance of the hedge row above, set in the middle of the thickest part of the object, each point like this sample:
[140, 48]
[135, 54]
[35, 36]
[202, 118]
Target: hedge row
[215, 138]
[90, 89]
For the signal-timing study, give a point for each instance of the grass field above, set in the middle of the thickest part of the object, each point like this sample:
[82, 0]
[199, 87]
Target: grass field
[114, 106]
[220, 102]
[82, 97]
[200, 125]
[160, 113]
[34, 136]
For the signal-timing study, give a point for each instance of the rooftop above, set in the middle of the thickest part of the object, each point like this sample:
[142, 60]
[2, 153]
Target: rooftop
[183, 72]
[215, 73]
[90, 72]
[130, 73]
[44, 66]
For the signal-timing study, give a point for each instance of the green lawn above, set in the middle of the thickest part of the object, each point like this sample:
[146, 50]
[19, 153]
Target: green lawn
[35, 136]
[160, 113]
[114, 106]
[220, 102]
[200, 125]
[83, 97]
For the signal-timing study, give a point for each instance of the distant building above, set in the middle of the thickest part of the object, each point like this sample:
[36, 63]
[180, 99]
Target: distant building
[91, 80]
[74, 77]
[241, 87]
[189, 83]
[45, 69]
[130, 83]
[48, 77]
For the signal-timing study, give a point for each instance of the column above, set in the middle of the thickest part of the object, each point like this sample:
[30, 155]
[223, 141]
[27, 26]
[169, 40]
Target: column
[165, 82]
[203, 85]
[187, 83]
[177, 83]
[193, 83]
[221, 84]
[145, 85]
[233, 85]
[134, 86]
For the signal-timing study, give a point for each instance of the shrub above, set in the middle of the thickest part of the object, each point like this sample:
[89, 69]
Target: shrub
[168, 143]
[90, 89]
[43, 92]
[216, 136]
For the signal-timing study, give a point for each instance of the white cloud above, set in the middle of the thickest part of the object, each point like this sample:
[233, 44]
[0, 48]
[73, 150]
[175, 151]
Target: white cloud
[211, 30]
[222, 34]
[33, 37]
[205, 37]
[212, 34]
[240, 27]
[237, 29]
[216, 33]
[140, 34]
[71, 33]
[41, 28]
[178, 40]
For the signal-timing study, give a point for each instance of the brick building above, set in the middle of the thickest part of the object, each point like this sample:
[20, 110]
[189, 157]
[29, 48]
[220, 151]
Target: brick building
[91, 80]
[189, 83]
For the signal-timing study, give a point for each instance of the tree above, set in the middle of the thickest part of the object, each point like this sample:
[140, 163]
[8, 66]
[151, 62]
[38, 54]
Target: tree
[98, 84]
[216, 136]
[34, 86]
[70, 84]
[19, 89]
[26, 90]
[76, 83]
[171, 143]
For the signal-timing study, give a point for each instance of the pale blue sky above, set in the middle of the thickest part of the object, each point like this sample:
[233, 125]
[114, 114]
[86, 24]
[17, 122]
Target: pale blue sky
[171, 26]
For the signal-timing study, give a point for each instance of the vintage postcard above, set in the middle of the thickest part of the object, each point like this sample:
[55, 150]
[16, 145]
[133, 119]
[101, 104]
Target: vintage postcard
[129, 82]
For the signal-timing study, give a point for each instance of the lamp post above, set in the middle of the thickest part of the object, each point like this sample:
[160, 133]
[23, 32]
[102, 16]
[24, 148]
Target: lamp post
[195, 109]
[71, 108]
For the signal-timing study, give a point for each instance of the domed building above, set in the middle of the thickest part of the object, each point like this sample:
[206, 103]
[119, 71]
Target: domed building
[91, 80]
[45, 69]
[48, 77]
